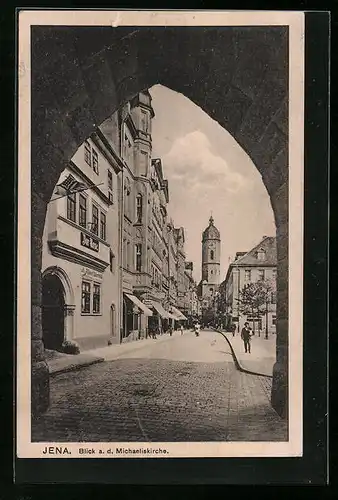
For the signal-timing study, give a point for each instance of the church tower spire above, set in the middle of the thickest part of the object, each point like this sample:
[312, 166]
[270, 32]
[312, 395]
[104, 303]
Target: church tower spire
[211, 262]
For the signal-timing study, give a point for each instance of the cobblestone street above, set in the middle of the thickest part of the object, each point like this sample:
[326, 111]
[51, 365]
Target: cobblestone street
[179, 389]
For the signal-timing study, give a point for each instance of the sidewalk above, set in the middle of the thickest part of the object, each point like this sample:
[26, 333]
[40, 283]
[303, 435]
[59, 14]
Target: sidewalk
[115, 351]
[262, 357]
[60, 362]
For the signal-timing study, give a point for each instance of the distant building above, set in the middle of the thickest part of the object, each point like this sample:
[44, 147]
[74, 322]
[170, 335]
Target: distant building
[211, 255]
[189, 305]
[259, 264]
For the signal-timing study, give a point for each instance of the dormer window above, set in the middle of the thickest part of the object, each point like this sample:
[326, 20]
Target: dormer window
[261, 254]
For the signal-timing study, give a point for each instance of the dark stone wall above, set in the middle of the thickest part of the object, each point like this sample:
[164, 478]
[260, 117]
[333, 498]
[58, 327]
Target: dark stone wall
[239, 76]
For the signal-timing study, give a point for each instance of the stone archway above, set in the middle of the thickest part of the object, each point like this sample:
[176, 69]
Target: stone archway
[237, 75]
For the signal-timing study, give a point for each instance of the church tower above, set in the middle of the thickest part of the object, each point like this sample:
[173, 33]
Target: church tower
[211, 262]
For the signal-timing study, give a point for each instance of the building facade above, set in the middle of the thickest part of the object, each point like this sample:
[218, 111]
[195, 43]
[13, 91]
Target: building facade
[149, 247]
[259, 264]
[191, 302]
[113, 262]
[80, 257]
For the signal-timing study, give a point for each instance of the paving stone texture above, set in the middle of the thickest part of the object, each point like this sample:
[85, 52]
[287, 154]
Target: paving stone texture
[180, 388]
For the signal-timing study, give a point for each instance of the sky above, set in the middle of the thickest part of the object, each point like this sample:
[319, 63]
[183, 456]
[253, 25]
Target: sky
[208, 172]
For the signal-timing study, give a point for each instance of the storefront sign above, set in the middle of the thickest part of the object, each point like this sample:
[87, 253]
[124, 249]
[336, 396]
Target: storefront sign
[89, 242]
[89, 273]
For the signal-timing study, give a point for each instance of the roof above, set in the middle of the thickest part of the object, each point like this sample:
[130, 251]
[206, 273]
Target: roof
[211, 232]
[268, 245]
[250, 259]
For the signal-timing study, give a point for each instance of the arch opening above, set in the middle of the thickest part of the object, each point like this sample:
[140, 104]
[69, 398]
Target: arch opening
[235, 96]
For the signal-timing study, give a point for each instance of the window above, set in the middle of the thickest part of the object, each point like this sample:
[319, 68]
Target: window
[261, 254]
[138, 257]
[88, 153]
[247, 275]
[85, 299]
[112, 262]
[273, 297]
[211, 255]
[139, 208]
[274, 274]
[82, 210]
[274, 320]
[261, 274]
[127, 149]
[128, 254]
[71, 207]
[212, 272]
[95, 159]
[110, 180]
[95, 220]
[144, 160]
[91, 157]
[127, 190]
[96, 298]
[103, 226]
[144, 121]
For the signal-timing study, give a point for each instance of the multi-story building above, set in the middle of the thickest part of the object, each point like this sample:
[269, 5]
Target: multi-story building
[259, 264]
[137, 218]
[113, 262]
[190, 309]
[80, 254]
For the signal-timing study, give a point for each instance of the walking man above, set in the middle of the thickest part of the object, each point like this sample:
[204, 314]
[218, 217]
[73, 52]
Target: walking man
[182, 329]
[246, 337]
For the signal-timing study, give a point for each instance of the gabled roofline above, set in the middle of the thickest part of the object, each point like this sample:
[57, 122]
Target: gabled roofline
[253, 249]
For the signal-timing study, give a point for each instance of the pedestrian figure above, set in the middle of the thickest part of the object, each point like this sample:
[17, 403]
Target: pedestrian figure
[233, 329]
[182, 329]
[170, 330]
[246, 337]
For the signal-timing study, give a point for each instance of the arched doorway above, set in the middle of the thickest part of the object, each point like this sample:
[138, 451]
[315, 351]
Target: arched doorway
[53, 312]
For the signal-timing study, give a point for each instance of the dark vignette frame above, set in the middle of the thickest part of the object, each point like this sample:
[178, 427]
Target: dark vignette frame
[312, 467]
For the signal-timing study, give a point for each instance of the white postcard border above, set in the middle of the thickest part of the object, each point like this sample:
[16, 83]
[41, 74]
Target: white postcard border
[295, 21]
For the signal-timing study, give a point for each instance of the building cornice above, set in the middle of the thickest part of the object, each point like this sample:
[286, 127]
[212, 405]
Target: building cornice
[131, 126]
[67, 252]
[111, 155]
[83, 230]
[242, 266]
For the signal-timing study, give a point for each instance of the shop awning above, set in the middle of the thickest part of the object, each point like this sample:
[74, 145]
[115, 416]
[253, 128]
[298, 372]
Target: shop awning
[139, 304]
[161, 311]
[171, 316]
[178, 315]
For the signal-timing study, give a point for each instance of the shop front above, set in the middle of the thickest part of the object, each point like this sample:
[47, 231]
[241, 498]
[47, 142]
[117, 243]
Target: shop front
[179, 317]
[134, 318]
[160, 321]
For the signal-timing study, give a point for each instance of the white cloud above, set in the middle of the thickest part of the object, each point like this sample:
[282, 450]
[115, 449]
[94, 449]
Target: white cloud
[191, 163]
